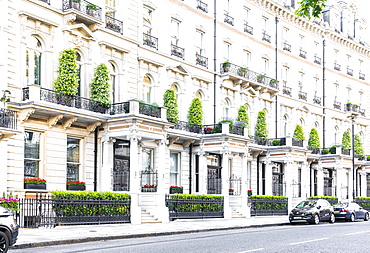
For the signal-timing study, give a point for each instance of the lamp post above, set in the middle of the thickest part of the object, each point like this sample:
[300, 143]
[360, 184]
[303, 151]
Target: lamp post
[353, 157]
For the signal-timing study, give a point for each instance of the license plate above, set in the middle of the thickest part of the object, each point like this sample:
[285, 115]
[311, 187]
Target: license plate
[336, 211]
[297, 218]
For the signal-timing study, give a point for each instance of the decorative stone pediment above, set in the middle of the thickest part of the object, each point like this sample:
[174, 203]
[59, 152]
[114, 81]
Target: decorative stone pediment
[80, 30]
[179, 70]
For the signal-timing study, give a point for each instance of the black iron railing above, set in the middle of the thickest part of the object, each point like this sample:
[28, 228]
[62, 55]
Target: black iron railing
[264, 206]
[365, 203]
[201, 60]
[302, 54]
[177, 51]
[248, 74]
[194, 208]
[113, 24]
[297, 142]
[361, 76]
[46, 211]
[276, 142]
[119, 108]
[235, 185]
[248, 28]
[202, 6]
[266, 37]
[349, 71]
[84, 7]
[317, 60]
[189, 127]
[258, 140]
[317, 100]
[287, 47]
[236, 130]
[228, 19]
[8, 118]
[150, 110]
[278, 189]
[315, 151]
[302, 95]
[150, 41]
[337, 105]
[287, 91]
[149, 180]
[330, 191]
[336, 66]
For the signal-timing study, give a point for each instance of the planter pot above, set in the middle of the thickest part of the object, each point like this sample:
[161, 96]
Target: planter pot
[35, 186]
[226, 69]
[76, 187]
[349, 107]
[174, 190]
[249, 193]
[75, 5]
[354, 109]
[90, 12]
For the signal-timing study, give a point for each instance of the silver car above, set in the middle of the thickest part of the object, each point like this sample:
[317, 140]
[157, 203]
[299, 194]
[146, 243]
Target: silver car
[8, 229]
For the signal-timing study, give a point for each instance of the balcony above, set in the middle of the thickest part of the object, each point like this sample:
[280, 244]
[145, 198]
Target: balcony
[228, 19]
[266, 37]
[317, 100]
[349, 71]
[8, 123]
[287, 91]
[177, 51]
[201, 60]
[362, 112]
[239, 72]
[113, 24]
[209, 129]
[361, 76]
[85, 11]
[302, 95]
[248, 28]
[302, 54]
[336, 66]
[202, 6]
[287, 47]
[150, 41]
[337, 105]
[317, 60]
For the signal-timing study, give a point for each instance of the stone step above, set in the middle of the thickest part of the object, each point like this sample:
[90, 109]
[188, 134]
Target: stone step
[146, 217]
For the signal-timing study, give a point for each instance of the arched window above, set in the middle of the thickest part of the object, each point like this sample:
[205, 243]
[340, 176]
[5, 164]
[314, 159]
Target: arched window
[112, 77]
[175, 88]
[285, 126]
[33, 61]
[337, 139]
[226, 108]
[146, 89]
[199, 95]
[79, 67]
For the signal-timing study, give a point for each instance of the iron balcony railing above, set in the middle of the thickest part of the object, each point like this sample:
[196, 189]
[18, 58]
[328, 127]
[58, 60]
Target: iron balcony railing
[336, 66]
[228, 19]
[202, 6]
[249, 75]
[315, 151]
[276, 142]
[317, 60]
[84, 7]
[113, 24]
[212, 129]
[177, 51]
[302, 95]
[302, 54]
[119, 108]
[287, 47]
[297, 142]
[248, 28]
[362, 111]
[349, 71]
[201, 60]
[150, 110]
[149, 40]
[361, 76]
[259, 140]
[337, 105]
[188, 127]
[317, 100]
[287, 91]
[266, 37]
[8, 118]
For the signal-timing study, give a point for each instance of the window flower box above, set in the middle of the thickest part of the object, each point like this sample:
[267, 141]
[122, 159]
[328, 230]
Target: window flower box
[149, 188]
[231, 191]
[35, 183]
[76, 186]
[249, 192]
[176, 189]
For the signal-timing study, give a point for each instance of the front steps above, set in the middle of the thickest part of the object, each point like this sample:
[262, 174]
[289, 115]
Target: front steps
[236, 214]
[146, 217]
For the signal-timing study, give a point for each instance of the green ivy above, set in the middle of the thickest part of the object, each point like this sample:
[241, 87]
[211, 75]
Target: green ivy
[67, 80]
[195, 113]
[100, 87]
[314, 139]
[261, 125]
[298, 132]
[170, 101]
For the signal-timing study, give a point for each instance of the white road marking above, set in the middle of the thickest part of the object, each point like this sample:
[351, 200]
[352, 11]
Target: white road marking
[321, 239]
[252, 250]
[356, 233]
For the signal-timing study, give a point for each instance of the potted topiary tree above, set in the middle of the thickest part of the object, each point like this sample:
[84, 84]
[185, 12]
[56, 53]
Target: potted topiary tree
[298, 132]
[226, 66]
[100, 88]
[359, 149]
[75, 4]
[243, 116]
[346, 140]
[349, 106]
[170, 101]
[90, 9]
[314, 139]
[261, 130]
[195, 114]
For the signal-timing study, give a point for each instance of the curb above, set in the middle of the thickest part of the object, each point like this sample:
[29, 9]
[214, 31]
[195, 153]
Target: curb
[106, 238]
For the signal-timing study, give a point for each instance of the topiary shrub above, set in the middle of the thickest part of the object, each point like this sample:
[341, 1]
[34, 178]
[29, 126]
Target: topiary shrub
[346, 140]
[170, 101]
[100, 88]
[314, 139]
[261, 125]
[67, 80]
[298, 132]
[359, 149]
[243, 116]
[195, 113]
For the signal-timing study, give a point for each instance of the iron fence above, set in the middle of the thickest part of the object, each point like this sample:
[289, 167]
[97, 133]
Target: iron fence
[330, 191]
[150, 41]
[363, 203]
[194, 208]
[8, 118]
[297, 142]
[278, 189]
[45, 211]
[264, 206]
[149, 180]
[189, 127]
[113, 24]
[235, 185]
[150, 110]
[178, 51]
[201, 60]
[83, 7]
[119, 108]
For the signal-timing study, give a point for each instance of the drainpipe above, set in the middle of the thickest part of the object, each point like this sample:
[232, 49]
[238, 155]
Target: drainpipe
[214, 61]
[190, 166]
[276, 75]
[323, 91]
[96, 159]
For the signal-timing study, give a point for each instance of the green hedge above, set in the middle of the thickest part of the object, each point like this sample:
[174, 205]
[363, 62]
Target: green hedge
[262, 202]
[195, 203]
[268, 197]
[363, 201]
[90, 203]
[324, 197]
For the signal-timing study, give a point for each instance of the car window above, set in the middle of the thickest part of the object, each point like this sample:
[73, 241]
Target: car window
[341, 205]
[306, 204]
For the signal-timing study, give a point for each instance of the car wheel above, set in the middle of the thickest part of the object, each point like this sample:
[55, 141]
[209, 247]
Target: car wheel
[332, 218]
[352, 218]
[366, 217]
[4, 243]
[316, 219]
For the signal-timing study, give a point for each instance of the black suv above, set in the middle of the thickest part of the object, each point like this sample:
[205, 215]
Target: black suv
[313, 211]
[8, 229]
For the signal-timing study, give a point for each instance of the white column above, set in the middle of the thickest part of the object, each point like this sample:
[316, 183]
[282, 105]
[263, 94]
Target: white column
[268, 178]
[244, 186]
[105, 183]
[203, 173]
[363, 190]
[225, 184]
[320, 181]
[135, 189]
[288, 171]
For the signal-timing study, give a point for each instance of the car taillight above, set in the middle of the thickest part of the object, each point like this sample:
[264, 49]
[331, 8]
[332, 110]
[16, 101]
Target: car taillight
[344, 210]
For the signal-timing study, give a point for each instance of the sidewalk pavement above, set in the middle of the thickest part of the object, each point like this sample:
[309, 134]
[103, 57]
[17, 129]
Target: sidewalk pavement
[37, 237]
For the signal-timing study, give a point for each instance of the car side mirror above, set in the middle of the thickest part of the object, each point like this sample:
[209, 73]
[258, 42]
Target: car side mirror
[318, 207]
